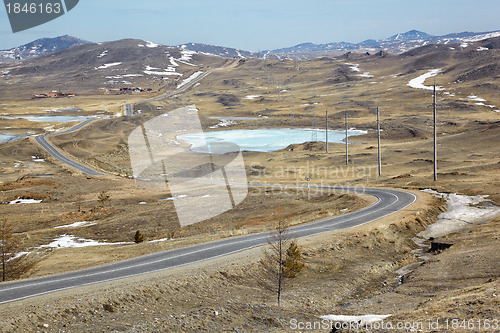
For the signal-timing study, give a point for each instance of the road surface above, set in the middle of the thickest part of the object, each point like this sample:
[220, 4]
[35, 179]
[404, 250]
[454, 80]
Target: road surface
[389, 201]
[49, 148]
[129, 108]
[129, 111]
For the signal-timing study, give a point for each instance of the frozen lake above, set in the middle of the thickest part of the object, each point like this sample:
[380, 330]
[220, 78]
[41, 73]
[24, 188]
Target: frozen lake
[52, 119]
[264, 139]
[233, 118]
[4, 137]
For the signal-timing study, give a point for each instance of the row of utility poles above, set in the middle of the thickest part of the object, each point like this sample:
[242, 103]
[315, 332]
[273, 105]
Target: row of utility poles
[379, 152]
[273, 81]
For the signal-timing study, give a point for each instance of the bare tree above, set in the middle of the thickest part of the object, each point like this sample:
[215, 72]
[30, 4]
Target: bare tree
[6, 246]
[13, 264]
[282, 260]
[79, 198]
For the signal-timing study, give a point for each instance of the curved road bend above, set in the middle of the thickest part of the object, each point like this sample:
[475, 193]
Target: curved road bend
[128, 110]
[389, 201]
[49, 148]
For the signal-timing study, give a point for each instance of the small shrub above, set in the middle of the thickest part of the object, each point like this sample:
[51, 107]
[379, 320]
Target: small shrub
[103, 198]
[109, 307]
[293, 264]
[138, 238]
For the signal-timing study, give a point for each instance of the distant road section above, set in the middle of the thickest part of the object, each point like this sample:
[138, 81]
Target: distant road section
[129, 111]
[129, 108]
[49, 148]
[389, 201]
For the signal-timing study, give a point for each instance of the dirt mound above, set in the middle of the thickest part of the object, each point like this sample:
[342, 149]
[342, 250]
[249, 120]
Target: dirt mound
[307, 146]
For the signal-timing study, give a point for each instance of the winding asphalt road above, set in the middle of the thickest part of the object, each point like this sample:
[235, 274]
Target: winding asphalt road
[49, 148]
[129, 111]
[389, 201]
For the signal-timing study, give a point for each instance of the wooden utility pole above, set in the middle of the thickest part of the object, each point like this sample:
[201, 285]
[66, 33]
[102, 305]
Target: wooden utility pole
[326, 130]
[346, 141]
[435, 132]
[378, 138]
[314, 134]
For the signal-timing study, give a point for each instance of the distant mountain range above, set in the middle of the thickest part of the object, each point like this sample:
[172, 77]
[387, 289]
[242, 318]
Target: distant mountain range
[395, 44]
[39, 47]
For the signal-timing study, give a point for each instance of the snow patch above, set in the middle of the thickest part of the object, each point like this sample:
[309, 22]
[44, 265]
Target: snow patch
[187, 55]
[73, 241]
[483, 36]
[77, 224]
[365, 74]
[476, 98]
[172, 61]
[103, 54]
[252, 96]
[418, 82]
[361, 320]
[353, 67]
[24, 201]
[223, 123]
[462, 211]
[189, 79]
[160, 240]
[156, 71]
[105, 66]
[151, 44]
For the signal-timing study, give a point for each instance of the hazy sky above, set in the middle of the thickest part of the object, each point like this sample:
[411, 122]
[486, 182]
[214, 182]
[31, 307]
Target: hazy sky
[259, 24]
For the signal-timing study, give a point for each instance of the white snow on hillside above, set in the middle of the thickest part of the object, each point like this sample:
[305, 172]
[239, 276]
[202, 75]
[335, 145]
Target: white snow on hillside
[73, 241]
[462, 211]
[353, 67]
[418, 82]
[187, 55]
[189, 79]
[482, 37]
[77, 224]
[105, 66]
[24, 201]
[156, 71]
[103, 54]
[481, 102]
[252, 96]
[173, 63]
[365, 74]
[151, 44]
[477, 99]
[361, 320]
